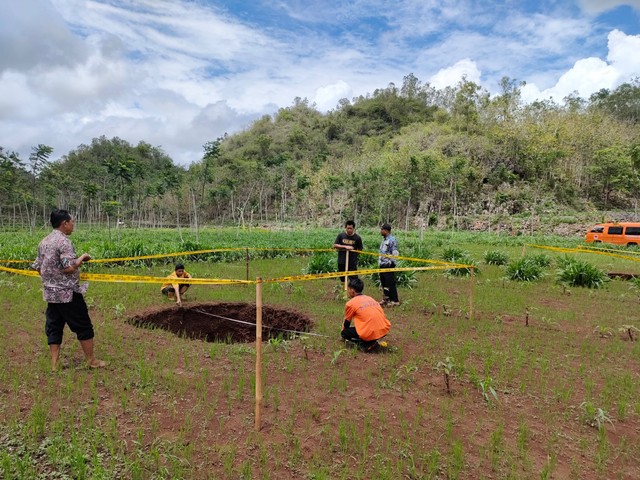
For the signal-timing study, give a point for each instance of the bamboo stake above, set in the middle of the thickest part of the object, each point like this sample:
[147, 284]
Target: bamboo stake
[246, 259]
[471, 281]
[258, 352]
[346, 267]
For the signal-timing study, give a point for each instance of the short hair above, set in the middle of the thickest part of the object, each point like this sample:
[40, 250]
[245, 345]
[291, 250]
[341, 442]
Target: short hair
[356, 284]
[350, 222]
[179, 266]
[58, 216]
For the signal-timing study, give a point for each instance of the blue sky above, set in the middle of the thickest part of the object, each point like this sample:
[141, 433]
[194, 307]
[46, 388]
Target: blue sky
[179, 73]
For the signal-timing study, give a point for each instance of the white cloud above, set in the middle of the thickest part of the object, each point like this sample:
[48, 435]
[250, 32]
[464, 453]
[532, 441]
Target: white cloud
[327, 97]
[598, 6]
[450, 76]
[589, 75]
[624, 54]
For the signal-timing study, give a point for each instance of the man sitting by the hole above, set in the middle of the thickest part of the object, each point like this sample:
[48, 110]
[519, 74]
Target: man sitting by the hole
[176, 290]
[370, 323]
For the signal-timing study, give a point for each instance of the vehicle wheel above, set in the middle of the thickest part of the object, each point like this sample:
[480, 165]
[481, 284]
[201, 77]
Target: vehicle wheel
[632, 244]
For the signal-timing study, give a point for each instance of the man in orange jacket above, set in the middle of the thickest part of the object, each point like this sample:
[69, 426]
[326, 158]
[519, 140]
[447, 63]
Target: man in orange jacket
[370, 323]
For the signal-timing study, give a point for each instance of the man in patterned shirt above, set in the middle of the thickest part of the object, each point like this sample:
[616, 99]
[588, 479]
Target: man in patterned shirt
[59, 270]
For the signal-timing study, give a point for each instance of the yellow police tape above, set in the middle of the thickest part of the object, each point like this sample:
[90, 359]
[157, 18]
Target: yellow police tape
[317, 276]
[198, 252]
[98, 277]
[584, 250]
[599, 249]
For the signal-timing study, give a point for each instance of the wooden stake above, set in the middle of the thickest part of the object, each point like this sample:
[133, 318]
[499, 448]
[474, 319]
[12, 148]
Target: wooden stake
[471, 281]
[246, 259]
[346, 267]
[258, 352]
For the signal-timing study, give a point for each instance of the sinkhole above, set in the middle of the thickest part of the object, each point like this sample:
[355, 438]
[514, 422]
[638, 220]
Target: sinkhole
[224, 322]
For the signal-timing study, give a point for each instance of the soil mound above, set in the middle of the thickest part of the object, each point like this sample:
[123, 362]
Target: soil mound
[224, 322]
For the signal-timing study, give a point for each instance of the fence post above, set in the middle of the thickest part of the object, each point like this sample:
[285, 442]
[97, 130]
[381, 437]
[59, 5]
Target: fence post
[471, 282]
[346, 267]
[258, 353]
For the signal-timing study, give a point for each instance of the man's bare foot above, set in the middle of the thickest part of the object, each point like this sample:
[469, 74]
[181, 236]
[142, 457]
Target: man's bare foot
[97, 364]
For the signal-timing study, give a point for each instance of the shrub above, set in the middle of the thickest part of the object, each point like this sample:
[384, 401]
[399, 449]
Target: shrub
[453, 254]
[403, 279]
[456, 255]
[541, 259]
[578, 273]
[322, 262]
[496, 257]
[367, 261]
[524, 269]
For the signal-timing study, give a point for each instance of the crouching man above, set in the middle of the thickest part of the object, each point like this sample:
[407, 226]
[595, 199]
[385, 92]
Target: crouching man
[176, 290]
[364, 320]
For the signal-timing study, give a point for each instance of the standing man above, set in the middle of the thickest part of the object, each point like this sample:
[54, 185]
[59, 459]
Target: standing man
[370, 323]
[346, 242]
[176, 290]
[59, 270]
[389, 246]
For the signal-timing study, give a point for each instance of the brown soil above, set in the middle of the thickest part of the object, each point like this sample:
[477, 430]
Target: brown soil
[230, 322]
[318, 407]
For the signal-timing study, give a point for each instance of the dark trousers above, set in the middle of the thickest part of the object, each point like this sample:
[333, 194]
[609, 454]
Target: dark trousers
[388, 281]
[353, 266]
[349, 333]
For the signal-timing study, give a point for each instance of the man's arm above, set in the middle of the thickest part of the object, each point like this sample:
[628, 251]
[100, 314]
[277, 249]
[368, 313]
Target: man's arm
[75, 264]
[176, 287]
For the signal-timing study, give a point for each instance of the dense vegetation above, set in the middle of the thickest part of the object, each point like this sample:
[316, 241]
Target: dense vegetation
[414, 155]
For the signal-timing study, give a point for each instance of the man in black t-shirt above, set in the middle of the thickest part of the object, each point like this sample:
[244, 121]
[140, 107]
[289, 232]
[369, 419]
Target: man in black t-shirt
[346, 242]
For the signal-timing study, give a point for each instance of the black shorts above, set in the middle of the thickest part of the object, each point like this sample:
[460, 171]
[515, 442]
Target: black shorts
[75, 314]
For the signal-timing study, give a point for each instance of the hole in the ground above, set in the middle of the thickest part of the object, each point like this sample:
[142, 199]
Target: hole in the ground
[227, 322]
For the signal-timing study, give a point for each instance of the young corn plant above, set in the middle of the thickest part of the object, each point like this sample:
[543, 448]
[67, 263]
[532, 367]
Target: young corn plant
[603, 332]
[447, 368]
[594, 416]
[486, 388]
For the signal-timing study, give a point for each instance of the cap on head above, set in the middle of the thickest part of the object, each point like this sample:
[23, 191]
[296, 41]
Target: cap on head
[386, 227]
[179, 266]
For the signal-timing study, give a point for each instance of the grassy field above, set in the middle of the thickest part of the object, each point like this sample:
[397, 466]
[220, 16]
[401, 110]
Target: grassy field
[544, 381]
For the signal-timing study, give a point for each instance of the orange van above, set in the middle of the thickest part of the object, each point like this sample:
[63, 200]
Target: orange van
[623, 233]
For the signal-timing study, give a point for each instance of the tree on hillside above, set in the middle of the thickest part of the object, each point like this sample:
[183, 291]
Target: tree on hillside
[612, 174]
[12, 181]
[38, 162]
[623, 103]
